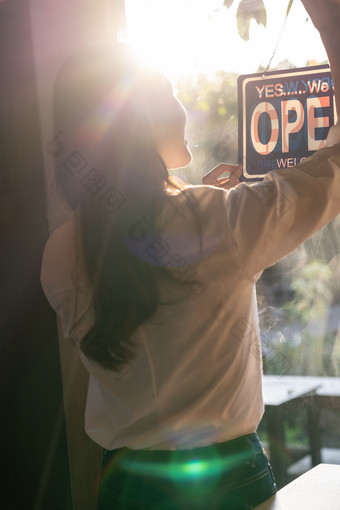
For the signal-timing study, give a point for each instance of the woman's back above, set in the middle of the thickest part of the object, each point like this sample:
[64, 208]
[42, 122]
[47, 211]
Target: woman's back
[159, 294]
[196, 378]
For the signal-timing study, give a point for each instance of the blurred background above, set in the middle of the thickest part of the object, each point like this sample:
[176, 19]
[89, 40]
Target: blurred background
[203, 46]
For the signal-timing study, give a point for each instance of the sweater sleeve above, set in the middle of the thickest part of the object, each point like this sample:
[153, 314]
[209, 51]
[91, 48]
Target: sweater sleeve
[269, 219]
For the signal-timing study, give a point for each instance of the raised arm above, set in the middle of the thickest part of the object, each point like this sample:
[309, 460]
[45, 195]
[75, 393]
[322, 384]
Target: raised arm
[325, 15]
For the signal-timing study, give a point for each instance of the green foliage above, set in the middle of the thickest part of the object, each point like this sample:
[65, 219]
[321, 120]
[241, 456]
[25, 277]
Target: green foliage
[312, 291]
[289, 6]
[248, 10]
[296, 338]
[211, 105]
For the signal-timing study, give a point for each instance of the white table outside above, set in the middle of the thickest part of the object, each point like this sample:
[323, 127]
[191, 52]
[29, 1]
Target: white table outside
[278, 390]
[318, 489]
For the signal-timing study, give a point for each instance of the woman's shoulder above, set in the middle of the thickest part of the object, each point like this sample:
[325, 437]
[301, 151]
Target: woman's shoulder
[64, 278]
[202, 192]
[60, 257]
[61, 240]
[196, 205]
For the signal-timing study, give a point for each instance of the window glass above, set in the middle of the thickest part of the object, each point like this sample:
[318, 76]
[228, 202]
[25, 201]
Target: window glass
[198, 45]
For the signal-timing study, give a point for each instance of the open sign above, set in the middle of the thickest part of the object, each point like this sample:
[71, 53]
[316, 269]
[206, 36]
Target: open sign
[284, 116]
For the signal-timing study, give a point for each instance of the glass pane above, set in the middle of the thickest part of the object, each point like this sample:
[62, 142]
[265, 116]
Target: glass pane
[198, 45]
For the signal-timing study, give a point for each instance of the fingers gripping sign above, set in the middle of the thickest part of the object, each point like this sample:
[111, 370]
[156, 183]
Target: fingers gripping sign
[216, 178]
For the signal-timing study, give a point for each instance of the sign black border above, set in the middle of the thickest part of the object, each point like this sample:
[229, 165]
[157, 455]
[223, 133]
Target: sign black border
[242, 80]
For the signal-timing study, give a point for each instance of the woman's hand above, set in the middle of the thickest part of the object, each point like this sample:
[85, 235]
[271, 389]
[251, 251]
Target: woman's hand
[213, 178]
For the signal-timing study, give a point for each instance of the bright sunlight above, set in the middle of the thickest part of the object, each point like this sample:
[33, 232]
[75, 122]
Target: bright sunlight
[190, 36]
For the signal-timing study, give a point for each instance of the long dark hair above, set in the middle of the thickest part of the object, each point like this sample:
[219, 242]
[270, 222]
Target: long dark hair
[115, 178]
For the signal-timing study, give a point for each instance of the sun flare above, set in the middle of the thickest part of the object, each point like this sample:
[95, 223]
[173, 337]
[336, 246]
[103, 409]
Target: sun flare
[193, 36]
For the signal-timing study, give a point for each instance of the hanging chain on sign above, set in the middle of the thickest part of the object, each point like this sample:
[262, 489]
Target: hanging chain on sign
[279, 38]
